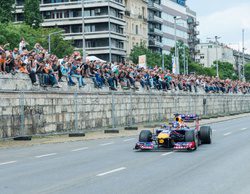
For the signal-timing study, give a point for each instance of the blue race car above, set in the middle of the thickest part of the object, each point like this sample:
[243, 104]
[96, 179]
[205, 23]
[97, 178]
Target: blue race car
[178, 136]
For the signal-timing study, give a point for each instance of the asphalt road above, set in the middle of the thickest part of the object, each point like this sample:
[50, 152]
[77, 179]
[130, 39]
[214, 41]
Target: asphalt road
[111, 166]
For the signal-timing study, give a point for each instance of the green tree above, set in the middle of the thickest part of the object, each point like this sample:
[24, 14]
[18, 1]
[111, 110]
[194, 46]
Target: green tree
[247, 72]
[32, 15]
[153, 58]
[60, 47]
[6, 9]
[226, 70]
[11, 33]
[200, 70]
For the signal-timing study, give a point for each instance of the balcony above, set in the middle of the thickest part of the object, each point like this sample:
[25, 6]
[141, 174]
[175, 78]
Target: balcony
[105, 50]
[197, 23]
[154, 18]
[155, 43]
[193, 40]
[158, 31]
[196, 33]
[155, 31]
[77, 4]
[95, 35]
[190, 21]
[158, 19]
[154, 6]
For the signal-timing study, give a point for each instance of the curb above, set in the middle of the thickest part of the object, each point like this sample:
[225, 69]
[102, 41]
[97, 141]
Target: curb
[22, 138]
[111, 131]
[131, 128]
[76, 134]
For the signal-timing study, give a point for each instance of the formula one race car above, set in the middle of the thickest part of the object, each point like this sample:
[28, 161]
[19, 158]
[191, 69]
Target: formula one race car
[189, 117]
[176, 137]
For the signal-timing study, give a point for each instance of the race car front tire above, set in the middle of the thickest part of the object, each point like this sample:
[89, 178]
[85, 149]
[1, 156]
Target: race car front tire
[190, 136]
[145, 136]
[206, 134]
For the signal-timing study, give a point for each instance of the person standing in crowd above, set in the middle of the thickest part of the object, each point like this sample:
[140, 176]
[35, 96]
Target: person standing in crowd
[22, 45]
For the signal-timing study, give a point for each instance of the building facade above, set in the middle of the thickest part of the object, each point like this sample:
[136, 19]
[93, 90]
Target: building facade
[104, 24]
[136, 24]
[208, 53]
[113, 27]
[185, 25]
[155, 22]
[173, 9]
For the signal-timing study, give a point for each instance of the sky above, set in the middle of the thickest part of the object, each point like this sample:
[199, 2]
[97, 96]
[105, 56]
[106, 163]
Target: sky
[223, 18]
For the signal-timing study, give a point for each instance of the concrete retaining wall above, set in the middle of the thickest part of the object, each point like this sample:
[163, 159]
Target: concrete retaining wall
[46, 112]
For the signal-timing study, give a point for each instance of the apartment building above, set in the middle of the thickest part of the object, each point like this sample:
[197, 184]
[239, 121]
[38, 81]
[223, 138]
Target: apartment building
[208, 53]
[136, 30]
[103, 19]
[155, 22]
[179, 9]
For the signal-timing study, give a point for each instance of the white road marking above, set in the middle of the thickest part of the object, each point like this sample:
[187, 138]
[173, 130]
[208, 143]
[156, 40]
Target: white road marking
[79, 149]
[46, 155]
[168, 153]
[128, 139]
[112, 171]
[243, 129]
[10, 162]
[105, 144]
[214, 130]
[226, 134]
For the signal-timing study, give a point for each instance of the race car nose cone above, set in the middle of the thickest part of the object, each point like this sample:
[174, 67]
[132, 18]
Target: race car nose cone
[163, 136]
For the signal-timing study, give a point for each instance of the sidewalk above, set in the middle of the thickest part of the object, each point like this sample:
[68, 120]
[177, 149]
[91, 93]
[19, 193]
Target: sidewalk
[100, 134]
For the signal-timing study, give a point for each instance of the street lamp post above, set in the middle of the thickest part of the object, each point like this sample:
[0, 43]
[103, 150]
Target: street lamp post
[110, 43]
[184, 59]
[184, 53]
[175, 47]
[217, 63]
[49, 37]
[243, 55]
[163, 61]
[83, 35]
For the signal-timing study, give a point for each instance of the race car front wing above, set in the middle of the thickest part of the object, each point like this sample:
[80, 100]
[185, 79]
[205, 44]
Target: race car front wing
[153, 146]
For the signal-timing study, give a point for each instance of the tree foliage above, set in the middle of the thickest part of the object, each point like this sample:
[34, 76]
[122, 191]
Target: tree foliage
[11, 33]
[226, 70]
[200, 70]
[6, 9]
[32, 15]
[247, 72]
[153, 58]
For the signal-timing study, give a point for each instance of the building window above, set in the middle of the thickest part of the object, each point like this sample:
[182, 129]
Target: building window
[136, 29]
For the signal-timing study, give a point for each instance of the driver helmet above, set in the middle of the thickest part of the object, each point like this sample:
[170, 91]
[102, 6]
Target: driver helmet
[175, 124]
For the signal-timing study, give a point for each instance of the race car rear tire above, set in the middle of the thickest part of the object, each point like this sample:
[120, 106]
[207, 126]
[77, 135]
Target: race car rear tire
[206, 134]
[145, 136]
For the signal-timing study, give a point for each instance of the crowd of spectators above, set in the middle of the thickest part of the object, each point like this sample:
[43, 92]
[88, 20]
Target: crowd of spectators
[47, 70]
